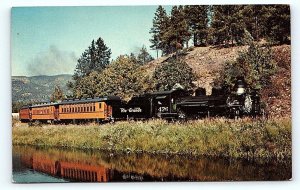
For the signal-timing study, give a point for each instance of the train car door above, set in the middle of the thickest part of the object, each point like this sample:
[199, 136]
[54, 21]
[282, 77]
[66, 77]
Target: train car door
[30, 113]
[56, 112]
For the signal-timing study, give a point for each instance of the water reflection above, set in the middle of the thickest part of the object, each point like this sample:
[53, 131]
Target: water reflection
[96, 166]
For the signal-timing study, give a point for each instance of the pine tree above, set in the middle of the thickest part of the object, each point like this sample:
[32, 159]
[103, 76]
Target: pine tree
[255, 65]
[95, 58]
[133, 58]
[123, 77]
[227, 24]
[57, 95]
[143, 56]
[177, 33]
[255, 19]
[197, 18]
[277, 24]
[160, 25]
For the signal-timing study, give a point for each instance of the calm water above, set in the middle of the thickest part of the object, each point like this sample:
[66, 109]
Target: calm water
[55, 165]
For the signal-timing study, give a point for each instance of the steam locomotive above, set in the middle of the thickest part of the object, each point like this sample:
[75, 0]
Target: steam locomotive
[173, 104]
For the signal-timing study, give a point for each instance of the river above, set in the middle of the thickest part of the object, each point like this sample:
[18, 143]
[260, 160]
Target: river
[39, 165]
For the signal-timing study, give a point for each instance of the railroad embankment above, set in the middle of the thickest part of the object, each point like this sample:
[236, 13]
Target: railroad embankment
[245, 138]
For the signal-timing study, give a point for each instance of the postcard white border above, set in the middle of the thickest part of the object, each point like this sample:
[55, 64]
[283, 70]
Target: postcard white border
[5, 99]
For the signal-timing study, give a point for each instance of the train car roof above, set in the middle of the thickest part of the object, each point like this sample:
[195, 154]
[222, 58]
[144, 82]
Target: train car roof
[43, 104]
[88, 100]
[25, 107]
[75, 101]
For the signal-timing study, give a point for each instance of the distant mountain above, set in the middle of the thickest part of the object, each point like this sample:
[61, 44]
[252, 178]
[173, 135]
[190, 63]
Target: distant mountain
[37, 88]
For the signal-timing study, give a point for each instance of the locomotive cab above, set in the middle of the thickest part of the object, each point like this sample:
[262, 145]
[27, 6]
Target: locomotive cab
[165, 102]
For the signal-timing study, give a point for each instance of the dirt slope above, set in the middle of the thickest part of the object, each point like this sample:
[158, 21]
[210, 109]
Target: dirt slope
[208, 61]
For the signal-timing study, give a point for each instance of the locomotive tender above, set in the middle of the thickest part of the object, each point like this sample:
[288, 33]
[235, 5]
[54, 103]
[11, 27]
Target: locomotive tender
[173, 104]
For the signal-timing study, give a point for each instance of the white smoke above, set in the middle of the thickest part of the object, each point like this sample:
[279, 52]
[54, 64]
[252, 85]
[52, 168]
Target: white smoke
[52, 62]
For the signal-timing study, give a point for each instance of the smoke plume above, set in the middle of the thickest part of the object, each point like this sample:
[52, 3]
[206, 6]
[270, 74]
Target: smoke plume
[52, 62]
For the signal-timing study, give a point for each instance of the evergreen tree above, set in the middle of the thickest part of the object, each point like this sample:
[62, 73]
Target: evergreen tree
[277, 24]
[177, 33]
[95, 58]
[160, 25]
[143, 56]
[227, 24]
[197, 18]
[133, 58]
[57, 95]
[255, 65]
[255, 19]
[123, 77]
[172, 72]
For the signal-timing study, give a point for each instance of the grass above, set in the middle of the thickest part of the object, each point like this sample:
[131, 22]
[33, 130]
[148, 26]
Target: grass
[245, 138]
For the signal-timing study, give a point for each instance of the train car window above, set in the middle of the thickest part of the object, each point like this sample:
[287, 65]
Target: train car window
[94, 108]
[100, 105]
[73, 110]
[88, 109]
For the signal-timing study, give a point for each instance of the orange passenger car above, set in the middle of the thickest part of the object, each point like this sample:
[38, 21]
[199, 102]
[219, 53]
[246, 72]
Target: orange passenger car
[98, 109]
[25, 114]
[44, 112]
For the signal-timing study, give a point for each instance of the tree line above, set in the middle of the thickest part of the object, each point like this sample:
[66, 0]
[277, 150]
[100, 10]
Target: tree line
[96, 75]
[206, 25]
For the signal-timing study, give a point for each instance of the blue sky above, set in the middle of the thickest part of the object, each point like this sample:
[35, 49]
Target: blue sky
[49, 40]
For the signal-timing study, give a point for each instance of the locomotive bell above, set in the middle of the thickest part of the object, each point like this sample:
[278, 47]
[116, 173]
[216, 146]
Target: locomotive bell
[240, 86]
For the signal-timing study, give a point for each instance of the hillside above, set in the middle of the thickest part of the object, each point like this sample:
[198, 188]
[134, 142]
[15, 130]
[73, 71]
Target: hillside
[207, 62]
[37, 88]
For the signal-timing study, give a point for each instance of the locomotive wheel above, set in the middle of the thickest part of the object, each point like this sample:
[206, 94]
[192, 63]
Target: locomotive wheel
[236, 114]
[181, 115]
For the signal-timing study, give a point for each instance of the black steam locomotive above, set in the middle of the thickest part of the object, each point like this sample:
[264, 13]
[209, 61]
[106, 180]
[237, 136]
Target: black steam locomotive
[180, 104]
[173, 104]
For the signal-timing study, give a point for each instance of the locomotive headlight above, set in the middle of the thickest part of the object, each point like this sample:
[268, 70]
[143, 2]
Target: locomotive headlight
[240, 91]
